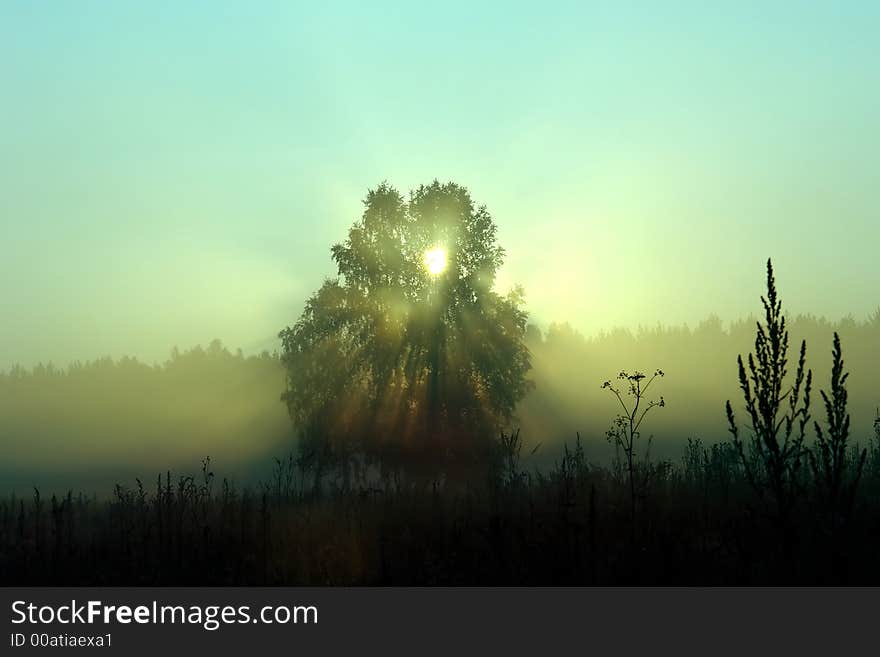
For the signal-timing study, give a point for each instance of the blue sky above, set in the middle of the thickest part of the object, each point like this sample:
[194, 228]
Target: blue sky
[172, 174]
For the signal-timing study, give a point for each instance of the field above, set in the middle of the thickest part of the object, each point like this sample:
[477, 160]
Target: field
[698, 522]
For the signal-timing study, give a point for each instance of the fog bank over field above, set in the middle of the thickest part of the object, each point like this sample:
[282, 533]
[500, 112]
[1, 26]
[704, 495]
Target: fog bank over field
[96, 422]
[91, 424]
[700, 375]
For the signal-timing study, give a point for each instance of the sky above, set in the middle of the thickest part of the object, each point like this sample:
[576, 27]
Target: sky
[176, 172]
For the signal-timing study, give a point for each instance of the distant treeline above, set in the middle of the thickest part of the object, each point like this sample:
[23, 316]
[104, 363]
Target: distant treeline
[701, 373]
[69, 426]
[130, 418]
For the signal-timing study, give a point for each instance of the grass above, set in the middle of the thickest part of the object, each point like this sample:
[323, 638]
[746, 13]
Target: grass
[699, 523]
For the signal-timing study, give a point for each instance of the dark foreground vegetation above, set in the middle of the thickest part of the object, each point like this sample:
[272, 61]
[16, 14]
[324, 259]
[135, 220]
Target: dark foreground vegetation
[699, 522]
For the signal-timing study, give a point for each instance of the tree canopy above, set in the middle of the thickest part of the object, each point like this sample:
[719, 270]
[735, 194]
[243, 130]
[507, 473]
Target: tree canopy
[409, 355]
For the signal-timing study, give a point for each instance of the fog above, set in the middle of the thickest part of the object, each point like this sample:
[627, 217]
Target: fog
[93, 423]
[700, 375]
[88, 425]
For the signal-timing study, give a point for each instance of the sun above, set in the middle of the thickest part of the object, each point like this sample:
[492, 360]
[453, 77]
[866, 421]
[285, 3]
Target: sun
[435, 260]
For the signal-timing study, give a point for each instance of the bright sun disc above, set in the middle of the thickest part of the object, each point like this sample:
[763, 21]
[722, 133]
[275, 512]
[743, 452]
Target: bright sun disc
[435, 260]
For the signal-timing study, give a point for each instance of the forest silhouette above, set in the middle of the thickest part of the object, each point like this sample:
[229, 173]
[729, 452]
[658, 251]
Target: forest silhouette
[436, 437]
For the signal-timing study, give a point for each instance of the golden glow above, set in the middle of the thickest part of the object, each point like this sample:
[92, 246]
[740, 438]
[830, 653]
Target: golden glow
[435, 260]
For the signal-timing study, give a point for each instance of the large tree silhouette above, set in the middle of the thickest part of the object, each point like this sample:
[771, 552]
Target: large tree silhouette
[408, 357]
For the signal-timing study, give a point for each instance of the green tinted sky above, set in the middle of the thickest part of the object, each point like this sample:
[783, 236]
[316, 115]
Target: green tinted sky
[169, 174]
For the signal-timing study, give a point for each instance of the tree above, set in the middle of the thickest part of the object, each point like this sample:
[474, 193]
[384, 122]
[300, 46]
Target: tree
[408, 357]
[778, 411]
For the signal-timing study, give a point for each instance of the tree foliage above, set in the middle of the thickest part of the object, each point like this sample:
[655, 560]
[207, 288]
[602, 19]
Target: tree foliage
[397, 363]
